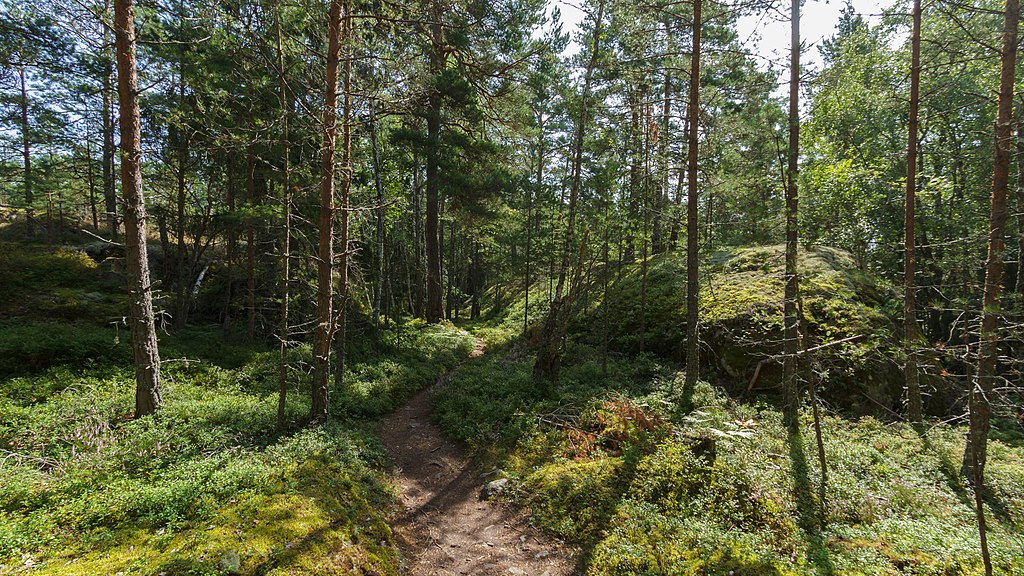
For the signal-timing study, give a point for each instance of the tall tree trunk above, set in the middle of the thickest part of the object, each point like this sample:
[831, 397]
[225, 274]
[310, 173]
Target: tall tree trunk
[1019, 198]
[452, 269]
[547, 367]
[286, 241]
[30, 222]
[435, 306]
[476, 280]
[533, 194]
[183, 296]
[346, 187]
[140, 301]
[646, 125]
[791, 331]
[663, 159]
[910, 328]
[250, 244]
[381, 212]
[109, 188]
[325, 289]
[988, 351]
[93, 211]
[232, 240]
[420, 296]
[692, 262]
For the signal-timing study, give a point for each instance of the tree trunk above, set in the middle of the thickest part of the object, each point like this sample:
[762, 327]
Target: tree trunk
[533, 194]
[109, 189]
[183, 296]
[140, 301]
[435, 306]
[232, 241]
[30, 223]
[1019, 193]
[346, 187]
[663, 159]
[988, 351]
[250, 244]
[380, 213]
[692, 262]
[791, 333]
[547, 367]
[325, 288]
[647, 220]
[420, 297]
[286, 241]
[450, 288]
[93, 211]
[910, 328]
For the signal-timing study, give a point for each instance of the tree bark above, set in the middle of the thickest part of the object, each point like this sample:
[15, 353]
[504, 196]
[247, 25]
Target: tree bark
[646, 115]
[547, 367]
[975, 453]
[533, 194]
[325, 288]
[791, 330]
[286, 241]
[183, 296]
[93, 211]
[910, 328]
[232, 240]
[30, 222]
[1019, 197]
[419, 308]
[435, 306]
[346, 187]
[692, 246]
[988, 350]
[109, 189]
[380, 214]
[140, 301]
[250, 244]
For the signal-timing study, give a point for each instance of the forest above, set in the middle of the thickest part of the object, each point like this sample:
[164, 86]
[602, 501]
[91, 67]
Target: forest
[454, 287]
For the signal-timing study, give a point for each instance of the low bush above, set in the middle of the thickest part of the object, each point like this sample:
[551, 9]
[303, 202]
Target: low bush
[210, 484]
[611, 464]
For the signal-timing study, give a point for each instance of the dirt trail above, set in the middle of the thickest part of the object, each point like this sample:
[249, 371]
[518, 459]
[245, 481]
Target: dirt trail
[443, 527]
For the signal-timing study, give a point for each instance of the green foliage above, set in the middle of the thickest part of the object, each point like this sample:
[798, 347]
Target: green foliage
[574, 499]
[211, 476]
[30, 347]
[382, 378]
[61, 284]
[894, 502]
[741, 315]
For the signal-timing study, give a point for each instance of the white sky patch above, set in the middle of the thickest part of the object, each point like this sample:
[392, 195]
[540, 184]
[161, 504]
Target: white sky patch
[766, 35]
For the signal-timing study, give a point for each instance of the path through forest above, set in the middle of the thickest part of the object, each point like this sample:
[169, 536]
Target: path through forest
[443, 527]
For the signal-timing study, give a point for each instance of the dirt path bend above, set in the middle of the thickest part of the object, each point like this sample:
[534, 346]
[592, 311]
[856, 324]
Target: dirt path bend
[443, 528]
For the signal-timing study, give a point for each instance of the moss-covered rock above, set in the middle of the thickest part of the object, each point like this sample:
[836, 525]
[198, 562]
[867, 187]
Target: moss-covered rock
[741, 320]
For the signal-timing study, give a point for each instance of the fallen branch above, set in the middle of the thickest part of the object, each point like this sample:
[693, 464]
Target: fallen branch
[100, 238]
[777, 357]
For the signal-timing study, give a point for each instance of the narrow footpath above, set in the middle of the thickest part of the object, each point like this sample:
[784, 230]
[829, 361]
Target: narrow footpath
[443, 527]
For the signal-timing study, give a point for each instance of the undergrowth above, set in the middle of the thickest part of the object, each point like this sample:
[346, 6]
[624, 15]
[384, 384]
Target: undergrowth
[612, 465]
[210, 484]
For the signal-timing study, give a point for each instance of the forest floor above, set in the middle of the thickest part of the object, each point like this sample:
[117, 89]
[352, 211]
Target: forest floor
[443, 526]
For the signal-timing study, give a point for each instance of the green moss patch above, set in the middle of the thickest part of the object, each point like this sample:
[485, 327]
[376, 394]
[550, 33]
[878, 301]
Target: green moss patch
[612, 465]
[210, 484]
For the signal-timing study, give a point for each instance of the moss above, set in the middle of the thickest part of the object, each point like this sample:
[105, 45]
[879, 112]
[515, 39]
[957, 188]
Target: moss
[575, 499]
[894, 502]
[210, 480]
[741, 316]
